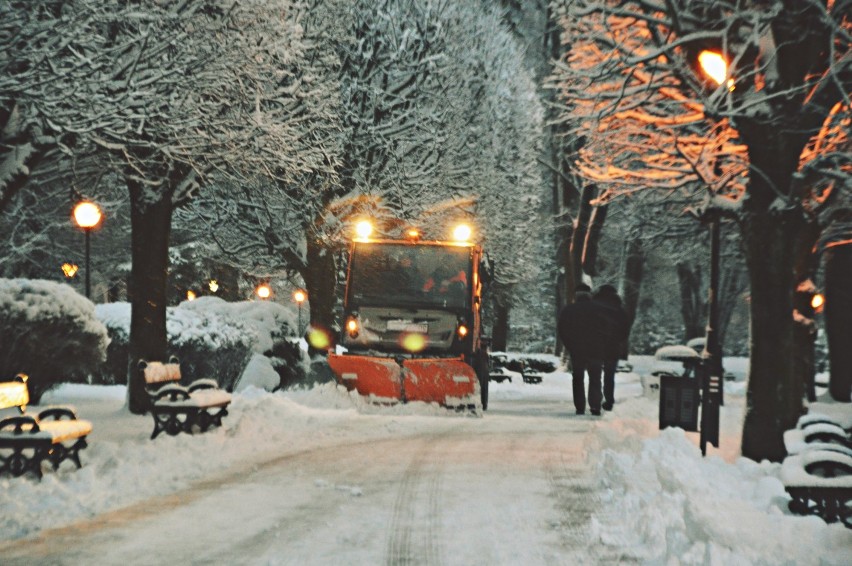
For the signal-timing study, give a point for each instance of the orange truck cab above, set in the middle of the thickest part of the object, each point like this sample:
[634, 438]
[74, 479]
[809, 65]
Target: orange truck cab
[411, 323]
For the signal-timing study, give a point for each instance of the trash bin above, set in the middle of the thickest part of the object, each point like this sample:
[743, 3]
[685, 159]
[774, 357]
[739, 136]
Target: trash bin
[679, 401]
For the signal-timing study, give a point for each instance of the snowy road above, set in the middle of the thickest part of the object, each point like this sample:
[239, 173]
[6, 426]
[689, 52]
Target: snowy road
[511, 488]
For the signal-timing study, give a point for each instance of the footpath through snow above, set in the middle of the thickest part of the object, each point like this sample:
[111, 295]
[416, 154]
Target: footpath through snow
[661, 502]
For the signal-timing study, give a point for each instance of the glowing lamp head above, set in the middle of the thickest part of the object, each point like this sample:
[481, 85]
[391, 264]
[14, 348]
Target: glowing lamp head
[263, 291]
[817, 302]
[363, 229]
[190, 295]
[461, 233]
[299, 296]
[462, 330]
[716, 67]
[412, 234]
[87, 215]
[213, 285]
[69, 269]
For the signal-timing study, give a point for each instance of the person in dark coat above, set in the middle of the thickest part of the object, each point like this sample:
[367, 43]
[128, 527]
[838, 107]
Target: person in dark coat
[615, 345]
[582, 328]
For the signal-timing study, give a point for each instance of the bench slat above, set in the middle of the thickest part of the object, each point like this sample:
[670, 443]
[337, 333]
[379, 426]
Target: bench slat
[13, 394]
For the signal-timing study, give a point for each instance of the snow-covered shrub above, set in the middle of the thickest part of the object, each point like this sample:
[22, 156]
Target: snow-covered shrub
[49, 332]
[213, 338]
[209, 343]
[275, 327]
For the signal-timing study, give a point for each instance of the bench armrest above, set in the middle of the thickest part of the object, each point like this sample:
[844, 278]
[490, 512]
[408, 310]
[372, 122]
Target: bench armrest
[57, 413]
[171, 392]
[18, 423]
[204, 383]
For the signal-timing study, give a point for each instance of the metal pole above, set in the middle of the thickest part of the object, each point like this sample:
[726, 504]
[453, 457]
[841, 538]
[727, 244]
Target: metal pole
[712, 384]
[300, 319]
[714, 347]
[88, 267]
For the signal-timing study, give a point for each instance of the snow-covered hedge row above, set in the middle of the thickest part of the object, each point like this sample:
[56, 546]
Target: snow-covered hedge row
[49, 332]
[216, 339]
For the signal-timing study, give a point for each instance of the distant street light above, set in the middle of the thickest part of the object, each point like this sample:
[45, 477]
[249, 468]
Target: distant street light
[299, 296]
[213, 285]
[263, 291]
[70, 269]
[88, 216]
[190, 295]
[817, 302]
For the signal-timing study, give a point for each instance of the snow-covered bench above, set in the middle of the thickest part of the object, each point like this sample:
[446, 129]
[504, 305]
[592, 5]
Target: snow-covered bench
[176, 408]
[818, 471]
[55, 434]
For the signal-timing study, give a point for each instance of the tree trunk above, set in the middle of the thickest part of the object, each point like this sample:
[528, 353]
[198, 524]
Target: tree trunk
[805, 266]
[692, 303]
[578, 238]
[838, 319]
[774, 396]
[320, 276]
[150, 230]
[593, 239]
[732, 289]
[500, 331]
[634, 267]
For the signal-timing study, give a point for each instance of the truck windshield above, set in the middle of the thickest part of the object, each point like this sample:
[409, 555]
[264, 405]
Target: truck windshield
[408, 274]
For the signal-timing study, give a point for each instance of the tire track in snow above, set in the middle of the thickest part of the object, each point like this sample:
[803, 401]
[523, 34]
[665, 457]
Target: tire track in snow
[400, 550]
[578, 502]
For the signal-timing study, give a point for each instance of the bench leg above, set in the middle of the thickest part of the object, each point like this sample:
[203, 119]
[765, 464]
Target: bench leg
[19, 463]
[172, 423]
[59, 453]
[215, 419]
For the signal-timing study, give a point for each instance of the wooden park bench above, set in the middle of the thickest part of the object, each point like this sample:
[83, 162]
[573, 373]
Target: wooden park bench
[175, 408]
[55, 434]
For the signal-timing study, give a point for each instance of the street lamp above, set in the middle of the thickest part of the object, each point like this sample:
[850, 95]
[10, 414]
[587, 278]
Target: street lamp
[714, 66]
[88, 216]
[299, 296]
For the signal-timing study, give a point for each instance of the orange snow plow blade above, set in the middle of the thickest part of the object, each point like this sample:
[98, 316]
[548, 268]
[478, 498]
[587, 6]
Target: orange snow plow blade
[448, 381]
[379, 377]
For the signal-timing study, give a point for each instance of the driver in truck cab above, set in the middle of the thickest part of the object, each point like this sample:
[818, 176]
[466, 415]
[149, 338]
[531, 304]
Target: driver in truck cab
[444, 281]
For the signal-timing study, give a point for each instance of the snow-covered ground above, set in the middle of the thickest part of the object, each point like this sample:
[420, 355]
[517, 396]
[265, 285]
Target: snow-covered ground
[661, 501]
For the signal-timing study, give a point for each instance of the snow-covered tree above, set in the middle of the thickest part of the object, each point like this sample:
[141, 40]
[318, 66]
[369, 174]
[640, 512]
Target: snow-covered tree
[169, 96]
[757, 143]
[431, 105]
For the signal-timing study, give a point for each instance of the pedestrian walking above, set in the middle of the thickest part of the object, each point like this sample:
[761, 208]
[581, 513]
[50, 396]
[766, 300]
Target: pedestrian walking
[583, 328]
[615, 343]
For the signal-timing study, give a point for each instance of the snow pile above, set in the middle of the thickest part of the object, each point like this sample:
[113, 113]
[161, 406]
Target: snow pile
[658, 500]
[241, 344]
[666, 504]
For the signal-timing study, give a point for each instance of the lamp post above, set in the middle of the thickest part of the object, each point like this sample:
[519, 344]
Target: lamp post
[87, 215]
[714, 66]
[299, 296]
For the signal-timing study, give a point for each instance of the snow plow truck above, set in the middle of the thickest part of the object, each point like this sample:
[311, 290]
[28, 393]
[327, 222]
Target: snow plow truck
[411, 328]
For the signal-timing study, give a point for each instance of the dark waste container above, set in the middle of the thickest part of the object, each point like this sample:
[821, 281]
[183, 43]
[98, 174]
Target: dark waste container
[679, 400]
